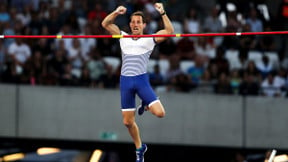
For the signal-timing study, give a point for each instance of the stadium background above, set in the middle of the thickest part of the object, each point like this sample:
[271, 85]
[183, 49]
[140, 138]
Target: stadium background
[49, 103]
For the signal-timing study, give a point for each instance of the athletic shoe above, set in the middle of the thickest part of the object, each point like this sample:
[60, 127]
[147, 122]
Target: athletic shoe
[140, 153]
[141, 109]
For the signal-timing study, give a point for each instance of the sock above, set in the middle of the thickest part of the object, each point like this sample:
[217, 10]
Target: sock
[139, 149]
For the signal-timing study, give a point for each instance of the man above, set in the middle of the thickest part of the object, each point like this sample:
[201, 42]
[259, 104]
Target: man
[134, 78]
[19, 52]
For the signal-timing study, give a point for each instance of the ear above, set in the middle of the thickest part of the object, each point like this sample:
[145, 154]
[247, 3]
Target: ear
[144, 25]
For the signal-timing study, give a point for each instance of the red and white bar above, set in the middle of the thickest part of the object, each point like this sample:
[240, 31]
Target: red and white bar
[147, 35]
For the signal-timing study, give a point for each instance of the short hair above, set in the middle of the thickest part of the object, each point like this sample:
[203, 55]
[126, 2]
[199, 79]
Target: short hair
[139, 13]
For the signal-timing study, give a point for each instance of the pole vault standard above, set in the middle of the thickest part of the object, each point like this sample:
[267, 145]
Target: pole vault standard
[148, 35]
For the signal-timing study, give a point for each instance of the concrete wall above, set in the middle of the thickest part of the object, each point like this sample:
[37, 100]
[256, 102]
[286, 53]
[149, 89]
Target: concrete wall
[266, 122]
[94, 114]
[68, 113]
[198, 120]
[8, 108]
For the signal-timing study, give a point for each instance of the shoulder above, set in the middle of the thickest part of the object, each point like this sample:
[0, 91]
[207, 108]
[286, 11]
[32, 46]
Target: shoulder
[123, 33]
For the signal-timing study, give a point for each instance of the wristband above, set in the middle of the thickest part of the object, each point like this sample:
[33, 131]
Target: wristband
[164, 13]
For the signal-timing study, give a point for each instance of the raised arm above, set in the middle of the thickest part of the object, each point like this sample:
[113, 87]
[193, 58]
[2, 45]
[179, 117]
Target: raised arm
[168, 28]
[108, 22]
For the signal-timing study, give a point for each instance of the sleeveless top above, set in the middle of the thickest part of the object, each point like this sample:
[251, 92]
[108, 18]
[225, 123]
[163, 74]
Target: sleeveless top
[135, 54]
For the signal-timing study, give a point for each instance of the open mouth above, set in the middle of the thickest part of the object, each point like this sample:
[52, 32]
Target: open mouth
[135, 29]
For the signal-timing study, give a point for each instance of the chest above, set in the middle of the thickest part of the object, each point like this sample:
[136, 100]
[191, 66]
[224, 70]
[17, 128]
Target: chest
[139, 46]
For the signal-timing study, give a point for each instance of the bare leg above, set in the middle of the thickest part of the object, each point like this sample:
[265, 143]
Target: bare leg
[157, 109]
[129, 122]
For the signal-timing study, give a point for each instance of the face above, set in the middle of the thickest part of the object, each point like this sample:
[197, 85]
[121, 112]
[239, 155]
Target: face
[136, 25]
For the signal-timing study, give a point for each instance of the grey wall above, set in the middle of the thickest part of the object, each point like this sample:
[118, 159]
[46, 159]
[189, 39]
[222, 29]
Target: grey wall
[199, 119]
[94, 114]
[8, 110]
[267, 122]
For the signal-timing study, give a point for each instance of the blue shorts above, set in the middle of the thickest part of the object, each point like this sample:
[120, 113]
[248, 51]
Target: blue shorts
[132, 85]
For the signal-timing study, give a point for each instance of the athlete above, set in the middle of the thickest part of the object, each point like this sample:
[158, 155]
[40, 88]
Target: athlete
[134, 78]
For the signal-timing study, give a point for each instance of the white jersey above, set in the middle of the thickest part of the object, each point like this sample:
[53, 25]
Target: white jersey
[135, 55]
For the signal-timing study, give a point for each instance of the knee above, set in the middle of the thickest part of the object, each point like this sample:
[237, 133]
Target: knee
[160, 114]
[157, 109]
[128, 123]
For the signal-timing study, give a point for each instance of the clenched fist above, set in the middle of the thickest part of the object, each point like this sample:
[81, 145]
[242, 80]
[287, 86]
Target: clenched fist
[121, 10]
[159, 7]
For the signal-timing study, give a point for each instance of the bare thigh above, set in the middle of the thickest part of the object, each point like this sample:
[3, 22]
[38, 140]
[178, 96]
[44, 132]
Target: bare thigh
[157, 109]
